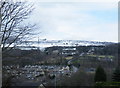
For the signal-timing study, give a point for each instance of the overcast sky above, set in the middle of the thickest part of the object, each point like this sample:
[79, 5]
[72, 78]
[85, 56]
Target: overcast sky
[88, 20]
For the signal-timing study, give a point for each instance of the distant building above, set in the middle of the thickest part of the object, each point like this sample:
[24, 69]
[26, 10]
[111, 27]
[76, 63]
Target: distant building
[69, 51]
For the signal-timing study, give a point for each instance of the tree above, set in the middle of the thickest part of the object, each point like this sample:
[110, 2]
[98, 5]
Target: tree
[100, 75]
[116, 75]
[6, 82]
[13, 26]
[78, 79]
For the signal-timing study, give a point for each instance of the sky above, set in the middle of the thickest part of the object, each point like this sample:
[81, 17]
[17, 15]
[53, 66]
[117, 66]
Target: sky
[76, 20]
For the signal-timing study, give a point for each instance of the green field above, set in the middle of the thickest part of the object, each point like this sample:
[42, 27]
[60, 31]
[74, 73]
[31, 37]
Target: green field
[102, 56]
[68, 58]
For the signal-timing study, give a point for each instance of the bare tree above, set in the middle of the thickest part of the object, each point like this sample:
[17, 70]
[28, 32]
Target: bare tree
[13, 23]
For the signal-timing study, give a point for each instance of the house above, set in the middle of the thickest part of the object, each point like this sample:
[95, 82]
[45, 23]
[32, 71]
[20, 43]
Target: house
[90, 70]
[41, 86]
[55, 51]
[65, 70]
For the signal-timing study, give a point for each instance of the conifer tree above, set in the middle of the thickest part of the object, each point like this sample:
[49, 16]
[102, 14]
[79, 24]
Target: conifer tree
[100, 75]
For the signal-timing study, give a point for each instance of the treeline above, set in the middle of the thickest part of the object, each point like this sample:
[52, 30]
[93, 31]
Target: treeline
[37, 54]
[22, 57]
[111, 49]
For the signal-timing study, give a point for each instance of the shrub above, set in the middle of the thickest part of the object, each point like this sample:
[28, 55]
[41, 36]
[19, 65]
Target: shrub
[116, 75]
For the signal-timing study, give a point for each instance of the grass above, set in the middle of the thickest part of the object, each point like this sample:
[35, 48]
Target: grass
[68, 58]
[102, 56]
[107, 84]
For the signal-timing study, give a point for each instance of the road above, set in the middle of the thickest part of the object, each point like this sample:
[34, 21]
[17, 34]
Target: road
[74, 69]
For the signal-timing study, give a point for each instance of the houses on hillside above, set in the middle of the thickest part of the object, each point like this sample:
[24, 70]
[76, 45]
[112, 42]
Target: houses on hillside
[65, 51]
[34, 72]
[69, 51]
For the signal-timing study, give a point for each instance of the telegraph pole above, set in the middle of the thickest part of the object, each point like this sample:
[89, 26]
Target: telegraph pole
[38, 43]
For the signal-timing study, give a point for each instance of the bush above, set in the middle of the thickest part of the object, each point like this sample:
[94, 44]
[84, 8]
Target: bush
[116, 75]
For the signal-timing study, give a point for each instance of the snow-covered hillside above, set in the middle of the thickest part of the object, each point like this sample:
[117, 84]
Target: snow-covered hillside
[48, 43]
